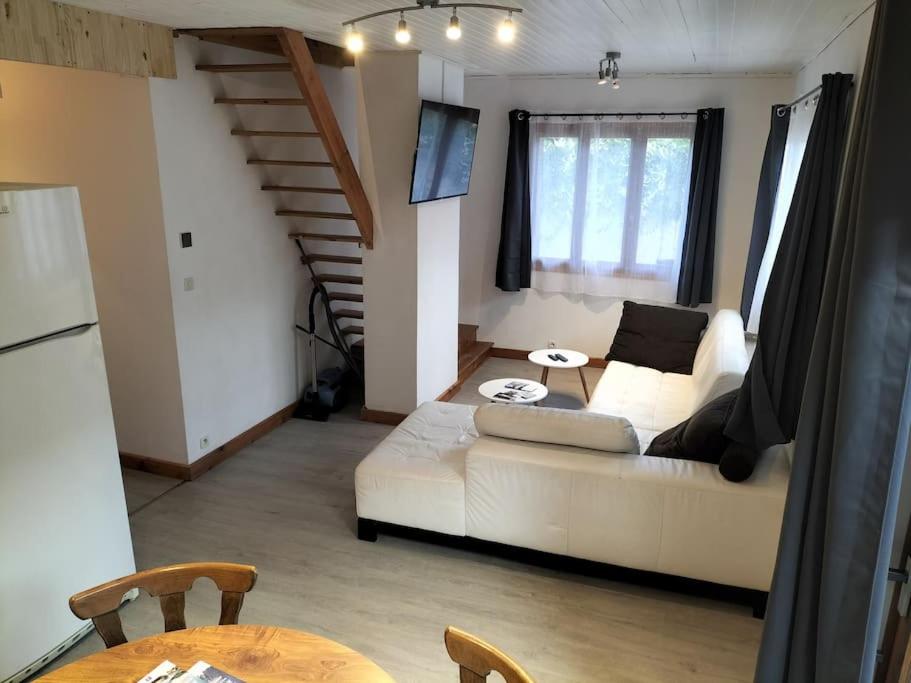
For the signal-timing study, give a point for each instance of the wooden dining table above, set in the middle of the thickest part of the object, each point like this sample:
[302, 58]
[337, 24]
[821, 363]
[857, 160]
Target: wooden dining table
[254, 654]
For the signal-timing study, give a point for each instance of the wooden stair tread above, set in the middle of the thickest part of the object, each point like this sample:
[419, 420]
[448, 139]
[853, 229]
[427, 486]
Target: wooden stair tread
[352, 313]
[299, 188]
[353, 239]
[353, 329]
[275, 133]
[315, 214]
[300, 57]
[335, 258]
[266, 39]
[346, 296]
[268, 101]
[340, 279]
[472, 356]
[244, 68]
[289, 162]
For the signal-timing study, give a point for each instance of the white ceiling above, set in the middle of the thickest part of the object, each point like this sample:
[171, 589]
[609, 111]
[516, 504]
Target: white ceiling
[553, 36]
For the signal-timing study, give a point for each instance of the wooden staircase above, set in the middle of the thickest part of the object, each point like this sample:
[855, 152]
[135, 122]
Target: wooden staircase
[472, 353]
[300, 58]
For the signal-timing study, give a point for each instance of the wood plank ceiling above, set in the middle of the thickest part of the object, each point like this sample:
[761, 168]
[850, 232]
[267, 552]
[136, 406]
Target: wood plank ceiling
[554, 36]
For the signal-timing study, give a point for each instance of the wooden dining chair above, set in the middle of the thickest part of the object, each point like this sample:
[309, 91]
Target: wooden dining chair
[168, 584]
[477, 659]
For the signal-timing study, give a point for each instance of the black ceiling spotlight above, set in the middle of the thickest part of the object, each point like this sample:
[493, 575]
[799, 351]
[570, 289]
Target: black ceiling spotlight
[506, 31]
[609, 70]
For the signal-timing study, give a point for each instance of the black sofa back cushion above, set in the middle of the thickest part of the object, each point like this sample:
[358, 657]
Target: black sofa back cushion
[658, 337]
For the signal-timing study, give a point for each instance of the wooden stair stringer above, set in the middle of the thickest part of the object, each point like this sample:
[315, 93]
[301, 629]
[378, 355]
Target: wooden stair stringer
[295, 49]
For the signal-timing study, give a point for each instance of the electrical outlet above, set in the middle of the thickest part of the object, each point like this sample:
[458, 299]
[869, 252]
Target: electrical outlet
[204, 442]
[551, 344]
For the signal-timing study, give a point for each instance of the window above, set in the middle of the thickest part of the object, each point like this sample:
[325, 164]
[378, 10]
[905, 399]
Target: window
[609, 202]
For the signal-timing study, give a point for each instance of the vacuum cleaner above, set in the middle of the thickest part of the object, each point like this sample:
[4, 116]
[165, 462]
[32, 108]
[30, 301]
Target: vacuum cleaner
[327, 391]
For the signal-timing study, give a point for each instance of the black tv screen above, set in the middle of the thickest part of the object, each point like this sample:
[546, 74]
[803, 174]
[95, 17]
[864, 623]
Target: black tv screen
[445, 151]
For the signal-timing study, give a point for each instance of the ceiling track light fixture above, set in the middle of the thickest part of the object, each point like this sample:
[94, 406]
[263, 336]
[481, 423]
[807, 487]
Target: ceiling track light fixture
[454, 30]
[402, 34]
[609, 70]
[506, 31]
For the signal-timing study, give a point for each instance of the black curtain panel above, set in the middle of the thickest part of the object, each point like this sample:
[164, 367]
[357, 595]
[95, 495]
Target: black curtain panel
[514, 256]
[769, 402]
[825, 610]
[765, 202]
[697, 265]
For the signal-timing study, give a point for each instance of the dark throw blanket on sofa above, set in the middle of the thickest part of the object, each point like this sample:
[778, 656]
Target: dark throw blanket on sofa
[701, 438]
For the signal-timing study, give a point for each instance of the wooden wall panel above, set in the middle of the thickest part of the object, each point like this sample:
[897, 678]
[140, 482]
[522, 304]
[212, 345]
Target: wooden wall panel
[45, 32]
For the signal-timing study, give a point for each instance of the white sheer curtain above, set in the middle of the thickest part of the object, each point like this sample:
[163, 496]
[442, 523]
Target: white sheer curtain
[798, 132]
[608, 205]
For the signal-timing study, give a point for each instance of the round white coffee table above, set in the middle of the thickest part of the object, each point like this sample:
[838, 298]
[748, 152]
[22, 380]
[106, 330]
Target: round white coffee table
[574, 359]
[513, 390]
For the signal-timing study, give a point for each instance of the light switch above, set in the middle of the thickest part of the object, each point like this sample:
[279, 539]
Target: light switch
[188, 284]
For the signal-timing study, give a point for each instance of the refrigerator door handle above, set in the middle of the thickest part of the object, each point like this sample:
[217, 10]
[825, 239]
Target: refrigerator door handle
[73, 331]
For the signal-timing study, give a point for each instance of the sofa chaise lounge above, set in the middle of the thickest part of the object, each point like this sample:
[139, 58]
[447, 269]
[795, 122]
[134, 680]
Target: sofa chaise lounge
[438, 473]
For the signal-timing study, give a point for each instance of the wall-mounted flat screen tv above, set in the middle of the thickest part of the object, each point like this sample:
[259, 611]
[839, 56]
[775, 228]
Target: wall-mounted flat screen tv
[445, 151]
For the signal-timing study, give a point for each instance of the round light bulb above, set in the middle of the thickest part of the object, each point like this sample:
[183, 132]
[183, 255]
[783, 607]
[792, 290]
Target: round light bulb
[402, 34]
[354, 41]
[454, 31]
[615, 84]
[507, 30]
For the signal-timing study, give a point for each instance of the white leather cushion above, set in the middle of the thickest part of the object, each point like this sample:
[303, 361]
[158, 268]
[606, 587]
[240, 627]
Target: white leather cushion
[650, 400]
[557, 426]
[675, 516]
[721, 360]
[416, 476]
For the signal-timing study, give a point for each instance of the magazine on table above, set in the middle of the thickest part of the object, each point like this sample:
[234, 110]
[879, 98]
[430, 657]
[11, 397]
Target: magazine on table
[169, 672]
[514, 396]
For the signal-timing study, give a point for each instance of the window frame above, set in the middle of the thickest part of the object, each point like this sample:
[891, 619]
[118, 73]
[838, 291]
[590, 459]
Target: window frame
[639, 136]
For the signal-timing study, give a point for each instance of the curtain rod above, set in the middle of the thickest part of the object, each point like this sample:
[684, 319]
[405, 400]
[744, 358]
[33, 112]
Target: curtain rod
[781, 110]
[784, 107]
[619, 115]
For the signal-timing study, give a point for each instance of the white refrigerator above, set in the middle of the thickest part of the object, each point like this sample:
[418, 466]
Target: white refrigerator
[63, 517]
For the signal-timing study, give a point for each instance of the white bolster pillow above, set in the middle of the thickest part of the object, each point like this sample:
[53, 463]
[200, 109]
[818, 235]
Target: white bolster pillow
[557, 426]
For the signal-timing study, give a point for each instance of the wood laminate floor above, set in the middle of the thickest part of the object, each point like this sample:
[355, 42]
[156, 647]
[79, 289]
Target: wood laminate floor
[286, 504]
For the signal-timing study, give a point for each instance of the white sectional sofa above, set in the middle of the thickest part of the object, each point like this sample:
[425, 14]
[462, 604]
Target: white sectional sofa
[436, 472]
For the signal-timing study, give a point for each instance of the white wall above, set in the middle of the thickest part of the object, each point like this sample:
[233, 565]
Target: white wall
[94, 130]
[388, 119]
[411, 275]
[240, 359]
[530, 319]
[438, 252]
[847, 53]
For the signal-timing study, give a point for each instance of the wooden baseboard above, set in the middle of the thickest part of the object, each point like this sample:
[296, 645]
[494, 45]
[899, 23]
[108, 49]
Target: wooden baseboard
[381, 416]
[225, 451]
[520, 354]
[199, 467]
[164, 468]
[451, 391]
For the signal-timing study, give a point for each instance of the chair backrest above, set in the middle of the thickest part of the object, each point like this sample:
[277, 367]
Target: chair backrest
[476, 659]
[168, 584]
